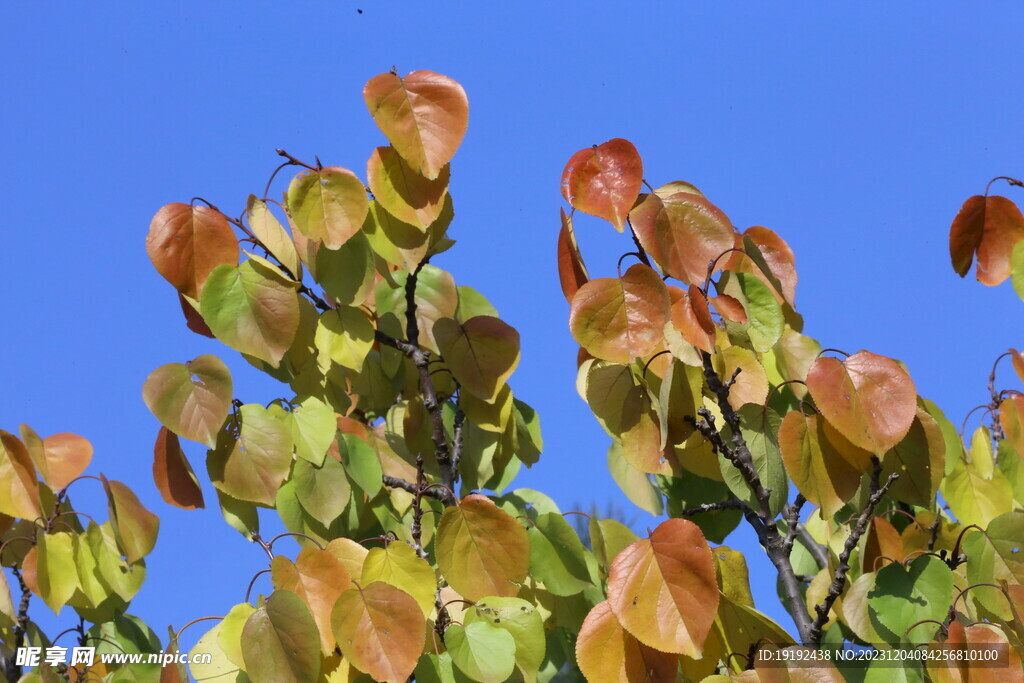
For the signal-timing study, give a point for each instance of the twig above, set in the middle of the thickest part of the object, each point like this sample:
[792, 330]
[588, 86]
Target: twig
[839, 578]
[441, 493]
[731, 504]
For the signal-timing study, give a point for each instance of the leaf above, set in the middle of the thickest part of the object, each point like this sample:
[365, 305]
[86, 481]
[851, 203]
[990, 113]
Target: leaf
[59, 458]
[251, 310]
[192, 399]
[241, 515]
[607, 653]
[134, 526]
[363, 464]
[635, 484]
[482, 651]
[173, 474]
[814, 463]
[186, 243]
[313, 426]
[272, 235]
[380, 630]
[280, 642]
[903, 596]
[522, 620]
[986, 227]
[995, 556]
[733, 577]
[328, 205]
[482, 353]
[739, 627]
[345, 336]
[253, 466]
[691, 318]
[760, 428]
[973, 498]
[919, 459]
[765, 322]
[481, 550]
[869, 398]
[19, 492]
[319, 579]
[684, 233]
[404, 193]
[347, 273]
[604, 180]
[619, 319]
[399, 565]
[572, 271]
[436, 298]
[220, 668]
[229, 633]
[751, 385]
[56, 575]
[663, 589]
[608, 537]
[1017, 268]
[771, 260]
[557, 558]
[424, 115]
[323, 491]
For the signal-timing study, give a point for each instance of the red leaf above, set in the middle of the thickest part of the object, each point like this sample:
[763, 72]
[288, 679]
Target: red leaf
[572, 272]
[604, 180]
[186, 243]
[173, 474]
[986, 227]
[683, 233]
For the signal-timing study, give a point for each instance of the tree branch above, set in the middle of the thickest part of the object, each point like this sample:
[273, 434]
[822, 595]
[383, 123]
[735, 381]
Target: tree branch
[839, 578]
[438, 493]
[731, 504]
[762, 520]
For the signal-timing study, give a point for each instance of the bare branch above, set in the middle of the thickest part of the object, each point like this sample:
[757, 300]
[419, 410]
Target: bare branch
[731, 504]
[440, 493]
[839, 578]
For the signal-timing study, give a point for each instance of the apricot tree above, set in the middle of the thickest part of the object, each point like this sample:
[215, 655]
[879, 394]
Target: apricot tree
[390, 451]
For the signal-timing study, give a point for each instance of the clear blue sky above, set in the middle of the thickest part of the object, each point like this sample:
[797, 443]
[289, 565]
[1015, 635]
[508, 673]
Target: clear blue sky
[855, 131]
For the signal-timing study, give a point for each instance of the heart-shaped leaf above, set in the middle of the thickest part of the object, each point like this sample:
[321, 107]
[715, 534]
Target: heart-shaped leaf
[903, 596]
[869, 398]
[987, 227]
[280, 642]
[815, 464]
[482, 651]
[482, 353]
[252, 466]
[619, 319]
[608, 653]
[604, 180]
[399, 565]
[186, 243]
[424, 115]
[135, 527]
[319, 579]
[328, 205]
[380, 630]
[191, 399]
[59, 458]
[663, 588]
[404, 193]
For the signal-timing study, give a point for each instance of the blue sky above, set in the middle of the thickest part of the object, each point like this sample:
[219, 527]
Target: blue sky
[854, 132]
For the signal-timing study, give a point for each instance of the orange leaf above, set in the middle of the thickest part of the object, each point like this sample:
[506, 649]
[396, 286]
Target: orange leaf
[604, 180]
[683, 233]
[619, 319]
[193, 319]
[404, 193]
[690, 316]
[986, 227]
[424, 115]
[817, 468]
[135, 527]
[572, 272]
[319, 578]
[777, 255]
[186, 243]
[1017, 358]
[607, 653]
[380, 630]
[729, 308]
[663, 589]
[869, 398]
[481, 549]
[173, 474]
[19, 493]
[59, 458]
[883, 541]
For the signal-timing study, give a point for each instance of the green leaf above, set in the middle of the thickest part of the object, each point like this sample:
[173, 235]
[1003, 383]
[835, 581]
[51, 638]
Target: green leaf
[1017, 268]
[529, 442]
[522, 621]
[404, 193]
[220, 669]
[996, 555]
[973, 498]
[903, 596]
[607, 539]
[252, 466]
[760, 428]
[252, 310]
[229, 633]
[482, 651]
[765, 321]
[323, 491]
[472, 303]
[280, 641]
[919, 459]
[635, 484]
[557, 558]
[345, 336]
[123, 578]
[362, 464]
[313, 425]
[347, 273]
[241, 515]
[56, 575]
[328, 205]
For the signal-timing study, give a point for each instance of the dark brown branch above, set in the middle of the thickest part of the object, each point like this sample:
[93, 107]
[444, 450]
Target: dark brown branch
[417, 509]
[793, 521]
[839, 578]
[440, 493]
[639, 247]
[11, 669]
[762, 519]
